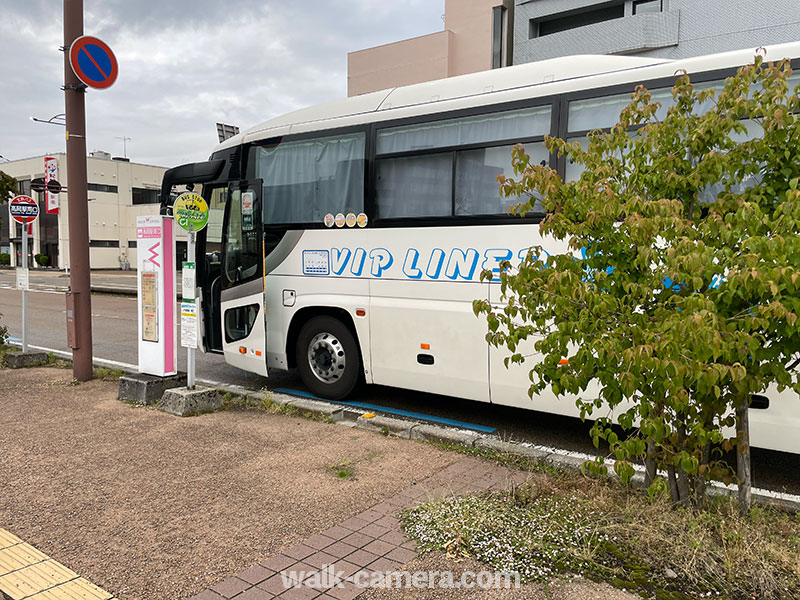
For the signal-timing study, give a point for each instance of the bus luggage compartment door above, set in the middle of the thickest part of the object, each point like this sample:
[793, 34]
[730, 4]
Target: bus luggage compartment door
[243, 332]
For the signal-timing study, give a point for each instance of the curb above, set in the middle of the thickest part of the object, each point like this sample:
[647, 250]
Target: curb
[415, 430]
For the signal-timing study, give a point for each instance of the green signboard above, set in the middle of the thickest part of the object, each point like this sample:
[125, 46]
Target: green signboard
[190, 212]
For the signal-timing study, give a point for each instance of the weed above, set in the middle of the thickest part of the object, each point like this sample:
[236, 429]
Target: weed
[106, 374]
[599, 529]
[342, 470]
[508, 459]
[384, 430]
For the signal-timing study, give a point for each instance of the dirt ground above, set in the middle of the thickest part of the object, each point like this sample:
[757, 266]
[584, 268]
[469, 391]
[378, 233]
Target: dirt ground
[151, 506]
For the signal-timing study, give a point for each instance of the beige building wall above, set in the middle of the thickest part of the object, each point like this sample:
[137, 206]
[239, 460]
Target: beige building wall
[112, 215]
[471, 24]
[465, 46]
[410, 61]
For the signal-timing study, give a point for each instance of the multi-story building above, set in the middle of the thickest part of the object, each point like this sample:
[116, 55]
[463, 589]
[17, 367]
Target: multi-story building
[119, 191]
[477, 36]
[484, 34]
[660, 28]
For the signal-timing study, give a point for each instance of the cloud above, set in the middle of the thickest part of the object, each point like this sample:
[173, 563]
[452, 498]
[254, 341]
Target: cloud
[186, 65]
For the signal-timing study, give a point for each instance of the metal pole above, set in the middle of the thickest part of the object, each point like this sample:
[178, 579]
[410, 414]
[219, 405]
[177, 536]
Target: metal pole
[79, 279]
[24, 291]
[190, 366]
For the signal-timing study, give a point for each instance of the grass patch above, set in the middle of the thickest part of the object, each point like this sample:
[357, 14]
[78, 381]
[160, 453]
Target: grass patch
[508, 459]
[603, 531]
[346, 469]
[342, 470]
[106, 374]
[264, 402]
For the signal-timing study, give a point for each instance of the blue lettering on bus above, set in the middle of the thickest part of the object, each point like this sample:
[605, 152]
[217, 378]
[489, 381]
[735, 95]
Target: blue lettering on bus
[381, 260]
[359, 258]
[410, 268]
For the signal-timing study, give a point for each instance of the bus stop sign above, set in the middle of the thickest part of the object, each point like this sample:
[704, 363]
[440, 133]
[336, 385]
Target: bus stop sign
[23, 209]
[190, 212]
[93, 62]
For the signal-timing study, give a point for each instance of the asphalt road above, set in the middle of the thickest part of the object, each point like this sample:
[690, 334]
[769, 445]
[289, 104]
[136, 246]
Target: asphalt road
[114, 326]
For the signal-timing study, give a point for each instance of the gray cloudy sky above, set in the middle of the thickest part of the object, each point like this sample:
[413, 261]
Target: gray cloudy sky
[186, 64]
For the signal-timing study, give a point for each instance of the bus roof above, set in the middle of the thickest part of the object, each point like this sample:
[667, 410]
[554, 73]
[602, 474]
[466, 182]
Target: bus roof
[485, 88]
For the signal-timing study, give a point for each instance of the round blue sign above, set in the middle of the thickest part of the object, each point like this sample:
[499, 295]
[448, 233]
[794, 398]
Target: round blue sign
[93, 62]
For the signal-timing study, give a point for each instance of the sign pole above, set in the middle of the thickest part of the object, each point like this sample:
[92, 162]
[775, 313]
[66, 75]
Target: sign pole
[191, 214]
[23, 210]
[79, 278]
[190, 358]
[24, 290]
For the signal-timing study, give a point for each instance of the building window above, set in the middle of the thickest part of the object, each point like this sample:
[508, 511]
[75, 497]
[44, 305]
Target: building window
[647, 6]
[498, 37]
[574, 19]
[144, 196]
[104, 244]
[101, 187]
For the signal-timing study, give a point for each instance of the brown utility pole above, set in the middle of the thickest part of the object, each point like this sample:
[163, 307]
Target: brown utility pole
[79, 278]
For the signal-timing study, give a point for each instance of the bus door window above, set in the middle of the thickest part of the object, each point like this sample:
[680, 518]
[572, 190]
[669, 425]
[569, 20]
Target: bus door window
[243, 244]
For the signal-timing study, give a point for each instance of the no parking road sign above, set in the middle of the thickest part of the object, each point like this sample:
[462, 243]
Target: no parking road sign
[93, 62]
[23, 209]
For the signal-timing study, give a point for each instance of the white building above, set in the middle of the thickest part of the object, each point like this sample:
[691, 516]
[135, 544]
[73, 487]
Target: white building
[119, 191]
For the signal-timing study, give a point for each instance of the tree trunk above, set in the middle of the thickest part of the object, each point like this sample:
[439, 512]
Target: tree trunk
[743, 454]
[673, 484]
[683, 477]
[650, 463]
[700, 480]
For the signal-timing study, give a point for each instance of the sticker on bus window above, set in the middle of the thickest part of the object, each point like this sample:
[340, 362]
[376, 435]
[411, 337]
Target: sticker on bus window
[350, 219]
[340, 220]
[329, 220]
[247, 211]
[316, 262]
[361, 219]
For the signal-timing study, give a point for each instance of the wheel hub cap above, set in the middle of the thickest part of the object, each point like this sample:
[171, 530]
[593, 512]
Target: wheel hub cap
[326, 357]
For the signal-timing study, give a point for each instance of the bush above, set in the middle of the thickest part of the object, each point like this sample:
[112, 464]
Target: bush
[5, 258]
[42, 260]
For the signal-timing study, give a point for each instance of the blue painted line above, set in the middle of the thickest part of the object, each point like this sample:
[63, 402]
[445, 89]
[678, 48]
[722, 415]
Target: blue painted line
[394, 411]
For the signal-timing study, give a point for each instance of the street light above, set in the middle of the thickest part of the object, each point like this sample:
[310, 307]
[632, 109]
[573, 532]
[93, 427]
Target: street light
[60, 119]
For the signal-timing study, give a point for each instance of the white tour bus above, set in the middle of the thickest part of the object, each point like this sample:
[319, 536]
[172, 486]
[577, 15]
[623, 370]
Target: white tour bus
[347, 239]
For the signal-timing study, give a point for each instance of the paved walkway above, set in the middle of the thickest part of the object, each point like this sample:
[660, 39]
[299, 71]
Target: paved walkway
[29, 574]
[371, 541]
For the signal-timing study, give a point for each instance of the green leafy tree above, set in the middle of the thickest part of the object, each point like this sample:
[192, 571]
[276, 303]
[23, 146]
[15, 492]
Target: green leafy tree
[8, 187]
[679, 297]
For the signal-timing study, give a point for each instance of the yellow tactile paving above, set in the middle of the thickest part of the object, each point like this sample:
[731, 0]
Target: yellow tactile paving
[78, 589]
[35, 578]
[19, 556]
[8, 539]
[28, 574]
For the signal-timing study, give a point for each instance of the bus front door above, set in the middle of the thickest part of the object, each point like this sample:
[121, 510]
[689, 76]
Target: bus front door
[244, 337]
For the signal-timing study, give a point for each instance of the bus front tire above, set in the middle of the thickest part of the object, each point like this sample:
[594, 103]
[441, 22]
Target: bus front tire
[327, 358]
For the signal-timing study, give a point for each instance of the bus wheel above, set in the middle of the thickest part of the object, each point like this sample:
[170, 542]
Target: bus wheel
[328, 358]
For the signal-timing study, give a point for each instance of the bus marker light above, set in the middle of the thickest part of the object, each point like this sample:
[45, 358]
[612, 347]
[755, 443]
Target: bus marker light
[258, 352]
[242, 350]
[360, 312]
[425, 346]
